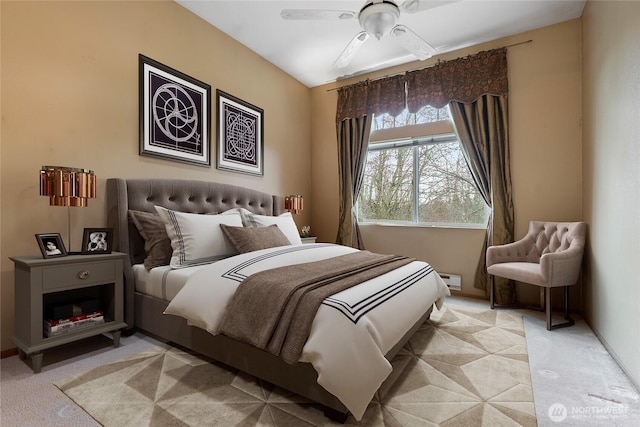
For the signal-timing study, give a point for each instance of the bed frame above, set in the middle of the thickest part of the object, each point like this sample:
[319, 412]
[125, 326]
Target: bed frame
[144, 313]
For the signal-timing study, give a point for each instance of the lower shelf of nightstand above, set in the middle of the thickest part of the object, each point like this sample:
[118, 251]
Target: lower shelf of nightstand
[35, 351]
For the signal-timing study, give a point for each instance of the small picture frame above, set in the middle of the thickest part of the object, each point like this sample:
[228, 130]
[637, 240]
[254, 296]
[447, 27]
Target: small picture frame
[240, 131]
[97, 241]
[51, 245]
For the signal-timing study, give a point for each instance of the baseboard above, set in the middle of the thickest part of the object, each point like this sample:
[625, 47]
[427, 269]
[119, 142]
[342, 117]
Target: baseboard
[8, 353]
[465, 295]
[615, 357]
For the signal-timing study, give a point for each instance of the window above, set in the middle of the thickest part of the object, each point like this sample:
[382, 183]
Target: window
[416, 173]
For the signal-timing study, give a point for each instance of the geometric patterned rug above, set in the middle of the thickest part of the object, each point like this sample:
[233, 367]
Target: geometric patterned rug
[463, 367]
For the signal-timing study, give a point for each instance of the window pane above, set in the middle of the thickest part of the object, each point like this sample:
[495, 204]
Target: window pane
[447, 193]
[387, 189]
[418, 156]
[426, 114]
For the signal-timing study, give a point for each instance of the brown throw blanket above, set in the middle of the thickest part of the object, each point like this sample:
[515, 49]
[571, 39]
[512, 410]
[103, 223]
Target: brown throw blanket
[274, 309]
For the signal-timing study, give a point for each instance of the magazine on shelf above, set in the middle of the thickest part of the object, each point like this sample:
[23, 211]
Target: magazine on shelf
[74, 318]
[62, 326]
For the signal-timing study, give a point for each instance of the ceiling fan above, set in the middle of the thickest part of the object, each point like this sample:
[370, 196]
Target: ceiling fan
[377, 18]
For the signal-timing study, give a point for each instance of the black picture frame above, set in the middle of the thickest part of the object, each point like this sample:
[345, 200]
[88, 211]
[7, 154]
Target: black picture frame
[240, 131]
[51, 245]
[175, 112]
[97, 241]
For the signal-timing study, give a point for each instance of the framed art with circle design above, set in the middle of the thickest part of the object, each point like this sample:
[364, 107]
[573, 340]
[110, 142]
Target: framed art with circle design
[174, 114]
[240, 130]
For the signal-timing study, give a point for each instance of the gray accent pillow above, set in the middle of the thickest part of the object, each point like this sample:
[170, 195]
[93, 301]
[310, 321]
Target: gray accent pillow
[248, 239]
[284, 221]
[157, 244]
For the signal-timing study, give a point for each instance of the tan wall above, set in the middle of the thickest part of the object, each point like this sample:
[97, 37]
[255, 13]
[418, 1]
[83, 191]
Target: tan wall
[545, 134]
[70, 97]
[611, 167]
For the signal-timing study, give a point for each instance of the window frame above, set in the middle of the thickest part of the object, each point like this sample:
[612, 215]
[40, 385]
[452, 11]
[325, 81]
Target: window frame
[414, 135]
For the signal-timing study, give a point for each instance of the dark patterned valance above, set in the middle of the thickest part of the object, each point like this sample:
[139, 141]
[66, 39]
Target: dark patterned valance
[387, 96]
[462, 79]
[379, 96]
[352, 101]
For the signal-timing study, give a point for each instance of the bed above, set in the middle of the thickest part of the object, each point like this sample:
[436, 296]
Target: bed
[146, 303]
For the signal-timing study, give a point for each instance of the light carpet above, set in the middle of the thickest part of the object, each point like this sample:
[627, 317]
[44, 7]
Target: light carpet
[463, 367]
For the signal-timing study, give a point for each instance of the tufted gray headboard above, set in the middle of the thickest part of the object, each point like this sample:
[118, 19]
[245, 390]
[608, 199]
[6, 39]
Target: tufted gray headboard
[183, 195]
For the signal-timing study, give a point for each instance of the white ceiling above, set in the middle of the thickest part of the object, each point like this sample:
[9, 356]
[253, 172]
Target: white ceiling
[307, 49]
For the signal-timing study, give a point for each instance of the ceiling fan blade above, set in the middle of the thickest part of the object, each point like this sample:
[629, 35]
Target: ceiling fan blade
[412, 6]
[316, 14]
[348, 52]
[413, 42]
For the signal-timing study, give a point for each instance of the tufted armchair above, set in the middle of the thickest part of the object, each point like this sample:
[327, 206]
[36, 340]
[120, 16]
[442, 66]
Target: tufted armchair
[550, 255]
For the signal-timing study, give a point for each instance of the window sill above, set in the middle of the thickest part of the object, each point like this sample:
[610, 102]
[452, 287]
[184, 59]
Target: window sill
[424, 225]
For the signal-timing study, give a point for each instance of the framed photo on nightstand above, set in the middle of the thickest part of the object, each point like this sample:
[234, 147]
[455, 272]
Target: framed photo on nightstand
[51, 245]
[97, 241]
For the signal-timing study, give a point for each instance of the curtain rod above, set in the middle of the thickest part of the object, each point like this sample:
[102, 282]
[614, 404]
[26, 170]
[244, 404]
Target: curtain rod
[421, 68]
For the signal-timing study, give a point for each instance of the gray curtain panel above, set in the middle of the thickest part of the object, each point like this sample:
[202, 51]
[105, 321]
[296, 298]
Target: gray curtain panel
[353, 138]
[483, 130]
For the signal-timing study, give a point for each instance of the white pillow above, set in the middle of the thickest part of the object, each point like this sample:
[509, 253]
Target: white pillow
[197, 239]
[284, 222]
[244, 214]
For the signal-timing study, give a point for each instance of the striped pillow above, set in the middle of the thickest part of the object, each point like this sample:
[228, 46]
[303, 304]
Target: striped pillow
[197, 239]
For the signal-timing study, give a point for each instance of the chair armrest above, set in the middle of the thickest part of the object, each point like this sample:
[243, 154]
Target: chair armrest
[562, 268]
[510, 252]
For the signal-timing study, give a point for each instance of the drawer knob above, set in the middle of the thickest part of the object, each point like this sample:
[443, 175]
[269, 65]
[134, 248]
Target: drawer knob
[83, 274]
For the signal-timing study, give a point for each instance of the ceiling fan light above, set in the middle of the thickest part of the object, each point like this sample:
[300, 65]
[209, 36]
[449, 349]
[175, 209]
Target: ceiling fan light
[377, 19]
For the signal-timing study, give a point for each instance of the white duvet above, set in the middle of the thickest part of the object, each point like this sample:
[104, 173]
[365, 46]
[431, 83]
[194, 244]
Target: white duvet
[352, 330]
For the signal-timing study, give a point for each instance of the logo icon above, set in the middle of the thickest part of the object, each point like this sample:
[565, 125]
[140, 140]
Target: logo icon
[557, 412]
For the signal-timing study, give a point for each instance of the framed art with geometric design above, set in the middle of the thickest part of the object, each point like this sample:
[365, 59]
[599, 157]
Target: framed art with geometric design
[174, 114]
[240, 140]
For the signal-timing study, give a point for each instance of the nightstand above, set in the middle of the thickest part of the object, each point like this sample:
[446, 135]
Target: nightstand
[308, 239]
[53, 282]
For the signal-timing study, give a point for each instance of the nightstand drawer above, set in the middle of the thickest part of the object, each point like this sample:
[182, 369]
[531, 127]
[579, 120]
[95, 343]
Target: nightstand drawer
[77, 274]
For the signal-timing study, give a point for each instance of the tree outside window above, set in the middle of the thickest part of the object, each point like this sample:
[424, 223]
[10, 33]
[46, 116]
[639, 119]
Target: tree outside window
[418, 177]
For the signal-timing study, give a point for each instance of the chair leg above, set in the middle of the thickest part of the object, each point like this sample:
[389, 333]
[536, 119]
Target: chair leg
[569, 322]
[547, 304]
[492, 296]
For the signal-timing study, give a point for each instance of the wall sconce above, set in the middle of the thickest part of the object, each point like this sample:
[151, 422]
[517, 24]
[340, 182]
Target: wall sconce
[293, 203]
[67, 186]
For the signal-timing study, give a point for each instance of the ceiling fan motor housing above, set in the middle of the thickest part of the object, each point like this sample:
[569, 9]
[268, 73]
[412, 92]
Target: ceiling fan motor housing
[377, 17]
